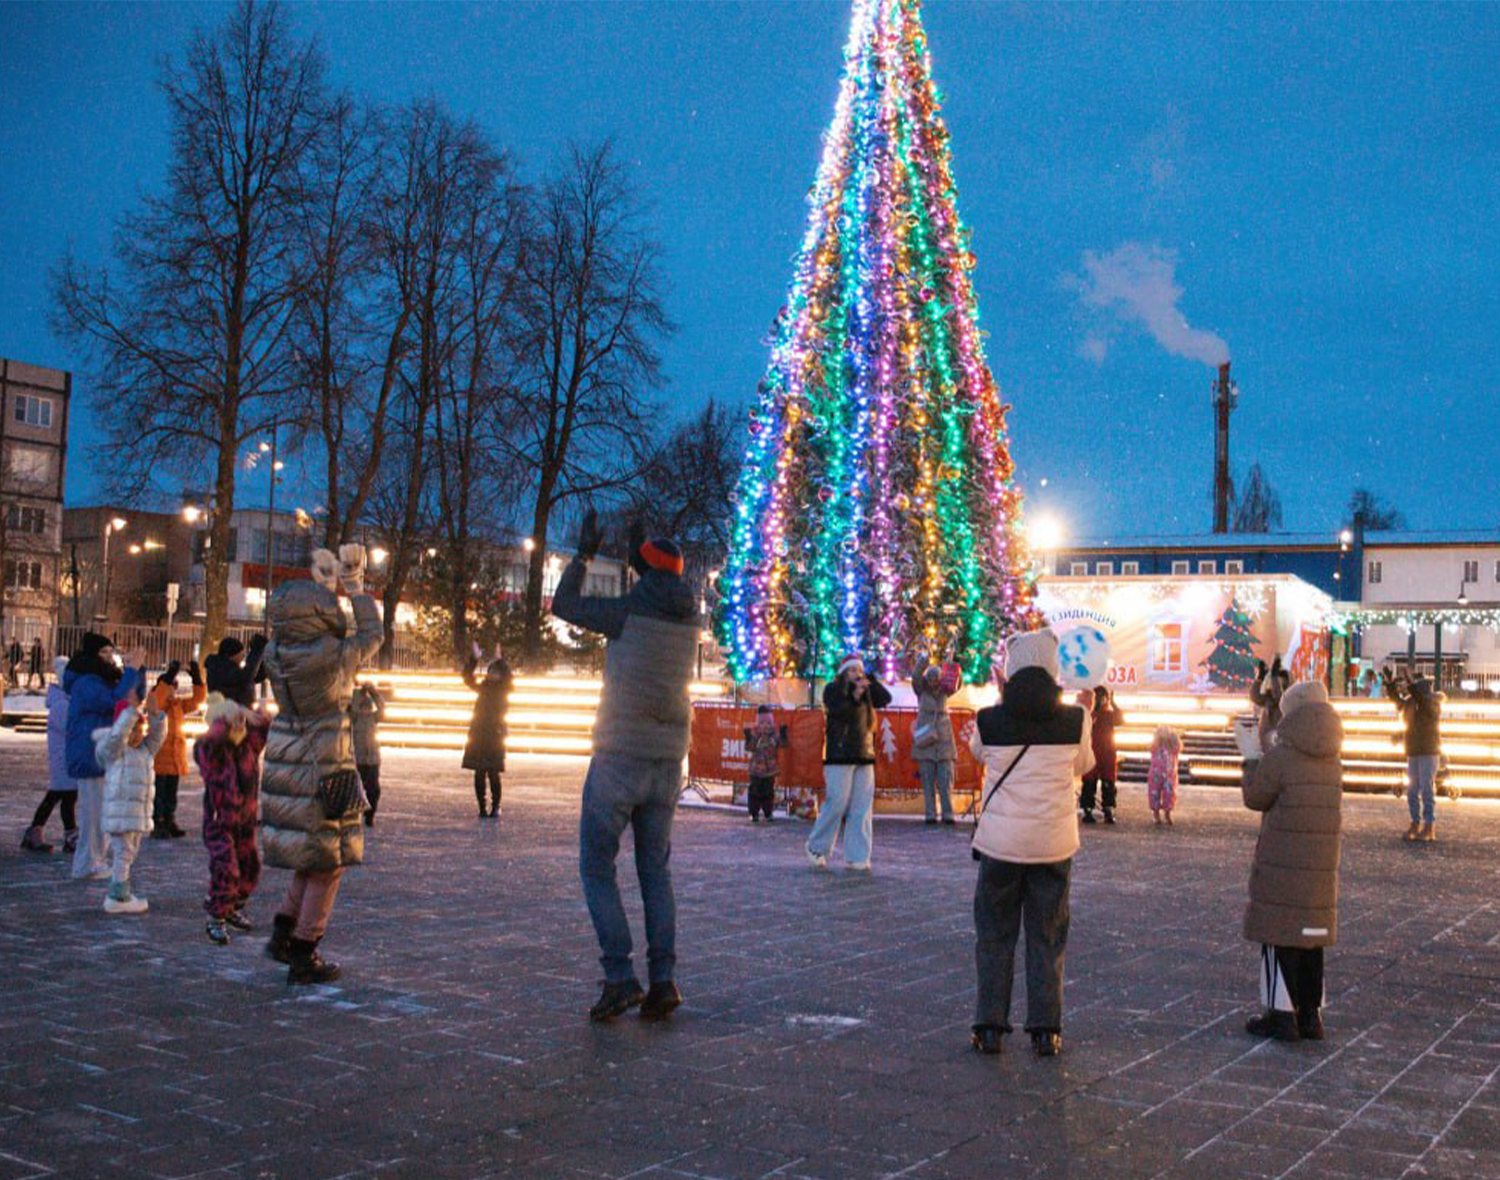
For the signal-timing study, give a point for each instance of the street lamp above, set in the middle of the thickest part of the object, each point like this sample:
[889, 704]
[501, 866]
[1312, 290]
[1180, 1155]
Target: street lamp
[1046, 535]
[378, 555]
[192, 513]
[111, 526]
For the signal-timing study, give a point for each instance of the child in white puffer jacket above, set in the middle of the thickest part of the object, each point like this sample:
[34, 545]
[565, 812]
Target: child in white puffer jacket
[127, 751]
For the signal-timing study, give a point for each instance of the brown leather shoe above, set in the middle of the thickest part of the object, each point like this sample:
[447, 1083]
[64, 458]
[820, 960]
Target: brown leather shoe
[1425, 834]
[1411, 832]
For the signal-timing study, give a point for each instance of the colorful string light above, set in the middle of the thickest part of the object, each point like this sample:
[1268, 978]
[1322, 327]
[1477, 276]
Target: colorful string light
[877, 509]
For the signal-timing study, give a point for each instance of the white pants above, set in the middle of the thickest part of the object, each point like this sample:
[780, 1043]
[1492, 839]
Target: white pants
[123, 847]
[850, 799]
[89, 857]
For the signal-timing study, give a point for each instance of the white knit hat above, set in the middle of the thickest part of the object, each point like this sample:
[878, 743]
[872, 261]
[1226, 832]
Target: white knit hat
[1034, 649]
[1304, 692]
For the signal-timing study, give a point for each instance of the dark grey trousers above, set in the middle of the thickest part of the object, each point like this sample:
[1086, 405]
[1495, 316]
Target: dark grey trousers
[1005, 895]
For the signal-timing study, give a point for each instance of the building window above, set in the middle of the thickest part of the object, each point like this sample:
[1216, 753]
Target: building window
[1105, 569]
[1208, 567]
[34, 411]
[601, 586]
[26, 520]
[1167, 649]
[23, 575]
[1471, 571]
[1497, 571]
[1234, 567]
[1079, 569]
[1130, 568]
[1373, 576]
[30, 464]
[1182, 567]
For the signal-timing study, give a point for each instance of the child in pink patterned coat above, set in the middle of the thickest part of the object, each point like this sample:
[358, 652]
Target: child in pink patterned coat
[228, 757]
[1161, 779]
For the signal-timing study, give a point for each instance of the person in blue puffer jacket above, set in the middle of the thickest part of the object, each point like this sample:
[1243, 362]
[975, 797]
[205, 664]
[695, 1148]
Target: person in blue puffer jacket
[95, 684]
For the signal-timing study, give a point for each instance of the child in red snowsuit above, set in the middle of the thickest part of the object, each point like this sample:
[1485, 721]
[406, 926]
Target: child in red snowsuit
[228, 757]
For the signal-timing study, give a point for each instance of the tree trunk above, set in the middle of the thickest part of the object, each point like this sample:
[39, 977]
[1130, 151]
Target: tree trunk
[535, 569]
[216, 559]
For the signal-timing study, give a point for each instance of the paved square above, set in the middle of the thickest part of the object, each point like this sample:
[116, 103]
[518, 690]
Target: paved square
[825, 1031]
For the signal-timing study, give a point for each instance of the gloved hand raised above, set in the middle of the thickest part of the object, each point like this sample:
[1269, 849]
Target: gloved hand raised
[352, 568]
[195, 673]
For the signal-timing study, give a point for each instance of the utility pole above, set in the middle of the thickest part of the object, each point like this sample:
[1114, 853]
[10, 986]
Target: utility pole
[1225, 396]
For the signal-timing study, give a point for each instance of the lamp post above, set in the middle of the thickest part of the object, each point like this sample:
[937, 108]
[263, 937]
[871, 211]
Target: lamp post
[269, 449]
[111, 526]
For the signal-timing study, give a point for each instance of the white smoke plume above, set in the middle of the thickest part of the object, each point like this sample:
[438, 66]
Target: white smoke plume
[1137, 284]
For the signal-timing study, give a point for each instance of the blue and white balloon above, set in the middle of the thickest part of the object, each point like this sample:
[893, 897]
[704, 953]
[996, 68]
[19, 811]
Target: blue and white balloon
[1084, 655]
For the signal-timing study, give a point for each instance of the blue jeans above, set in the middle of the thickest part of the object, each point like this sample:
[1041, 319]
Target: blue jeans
[640, 793]
[849, 799]
[1421, 773]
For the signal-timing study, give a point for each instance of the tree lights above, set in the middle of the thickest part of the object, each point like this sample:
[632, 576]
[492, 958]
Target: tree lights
[877, 510]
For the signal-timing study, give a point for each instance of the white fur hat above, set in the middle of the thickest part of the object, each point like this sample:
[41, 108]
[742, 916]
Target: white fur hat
[1304, 692]
[1034, 649]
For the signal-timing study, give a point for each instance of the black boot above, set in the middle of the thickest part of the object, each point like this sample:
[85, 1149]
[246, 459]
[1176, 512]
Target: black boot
[307, 966]
[279, 945]
[1088, 816]
[1046, 1044]
[1109, 815]
[616, 999]
[1281, 1026]
[661, 1001]
[986, 1039]
[1310, 1025]
[175, 832]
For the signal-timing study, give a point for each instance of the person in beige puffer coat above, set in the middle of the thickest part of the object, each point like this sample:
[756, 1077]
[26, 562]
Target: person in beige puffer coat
[1294, 882]
[311, 662]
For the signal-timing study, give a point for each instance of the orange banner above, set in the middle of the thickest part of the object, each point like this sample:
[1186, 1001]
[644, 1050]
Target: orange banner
[717, 753]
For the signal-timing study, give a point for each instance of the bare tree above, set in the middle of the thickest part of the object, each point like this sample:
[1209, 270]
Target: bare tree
[189, 340]
[592, 320]
[475, 482]
[686, 488]
[1256, 506]
[1374, 513]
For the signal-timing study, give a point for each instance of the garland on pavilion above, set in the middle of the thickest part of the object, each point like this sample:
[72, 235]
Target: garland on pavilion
[877, 510]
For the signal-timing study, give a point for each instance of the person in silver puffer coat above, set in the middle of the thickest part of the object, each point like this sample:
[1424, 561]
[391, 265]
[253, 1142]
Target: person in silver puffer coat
[311, 662]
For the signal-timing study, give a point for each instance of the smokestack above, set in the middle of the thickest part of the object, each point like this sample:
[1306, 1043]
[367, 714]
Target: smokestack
[1224, 398]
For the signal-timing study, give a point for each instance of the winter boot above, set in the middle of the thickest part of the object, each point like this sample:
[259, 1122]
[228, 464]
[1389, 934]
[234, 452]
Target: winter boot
[986, 1039]
[1109, 815]
[159, 830]
[1310, 1025]
[306, 965]
[1411, 832]
[616, 999]
[173, 830]
[70, 841]
[216, 932]
[237, 920]
[1281, 1026]
[279, 945]
[32, 841]
[661, 1001]
[1046, 1044]
[1425, 834]
[120, 900]
[1088, 816]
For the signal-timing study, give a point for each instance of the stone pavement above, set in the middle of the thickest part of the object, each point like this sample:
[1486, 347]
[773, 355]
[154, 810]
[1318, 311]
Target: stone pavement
[825, 1030]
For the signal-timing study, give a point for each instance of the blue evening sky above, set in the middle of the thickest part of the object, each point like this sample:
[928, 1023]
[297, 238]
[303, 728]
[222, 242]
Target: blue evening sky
[1321, 183]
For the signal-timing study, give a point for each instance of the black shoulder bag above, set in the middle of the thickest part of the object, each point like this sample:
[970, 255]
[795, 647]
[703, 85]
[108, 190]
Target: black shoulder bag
[340, 792]
[986, 804]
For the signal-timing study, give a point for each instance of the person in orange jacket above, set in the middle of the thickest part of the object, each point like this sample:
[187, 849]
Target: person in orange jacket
[172, 760]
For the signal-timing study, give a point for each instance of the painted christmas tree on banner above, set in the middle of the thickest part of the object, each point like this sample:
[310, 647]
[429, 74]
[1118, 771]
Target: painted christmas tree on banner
[877, 510]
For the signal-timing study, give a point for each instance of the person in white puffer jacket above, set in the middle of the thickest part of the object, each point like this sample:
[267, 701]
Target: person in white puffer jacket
[1034, 748]
[127, 751]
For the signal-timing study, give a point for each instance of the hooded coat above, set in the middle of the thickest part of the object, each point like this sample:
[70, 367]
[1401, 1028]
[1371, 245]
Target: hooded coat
[58, 778]
[645, 708]
[311, 663]
[932, 731]
[1032, 816]
[173, 758]
[1421, 711]
[129, 776]
[94, 686]
[485, 749]
[1298, 788]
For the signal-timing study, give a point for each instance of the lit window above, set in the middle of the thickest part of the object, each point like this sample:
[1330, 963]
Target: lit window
[1079, 569]
[1234, 567]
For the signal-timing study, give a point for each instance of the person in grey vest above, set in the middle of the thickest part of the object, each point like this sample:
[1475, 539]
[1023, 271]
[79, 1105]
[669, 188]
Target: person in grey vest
[641, 735]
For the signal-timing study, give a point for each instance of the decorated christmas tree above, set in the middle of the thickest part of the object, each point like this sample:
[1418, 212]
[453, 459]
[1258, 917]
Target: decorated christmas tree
[876, 510]
[1231, 664]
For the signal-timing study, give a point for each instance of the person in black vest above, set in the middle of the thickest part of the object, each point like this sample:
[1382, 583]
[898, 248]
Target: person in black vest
[1099, 783]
